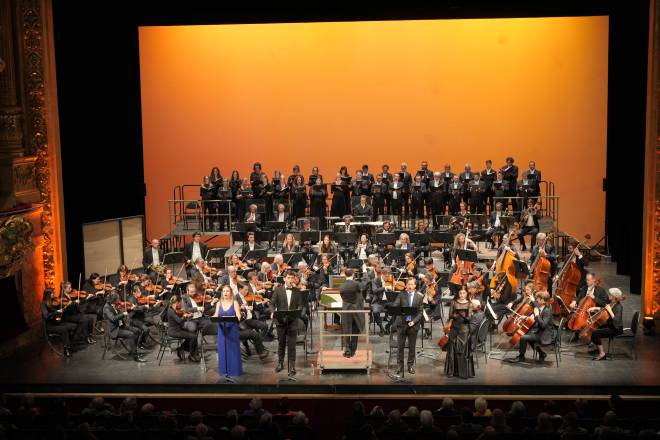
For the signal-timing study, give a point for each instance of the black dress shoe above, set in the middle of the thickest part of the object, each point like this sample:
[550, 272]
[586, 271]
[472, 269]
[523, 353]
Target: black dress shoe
[279, 367]
[599, 358]
[67, 352]
[138, 358]
[517, 359]
[292, 371]
[542, 355]
[179, 353]
[411, 369]
[194, 358]
[91, 341]
[143, 347]
[347, 354]
[381, 332]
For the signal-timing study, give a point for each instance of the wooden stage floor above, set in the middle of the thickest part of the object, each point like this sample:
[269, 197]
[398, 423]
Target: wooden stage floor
[41, 371]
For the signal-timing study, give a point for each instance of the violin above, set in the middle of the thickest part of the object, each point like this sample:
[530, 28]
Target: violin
[101, 286]
[254, 298]
[126, 305]
[144, 300]
[209, 270]
[60, 301]
[174, 280]
[154, 288]
[78, 294]
[125, 277]
[200, 298]
[179, 310]
[397, 286]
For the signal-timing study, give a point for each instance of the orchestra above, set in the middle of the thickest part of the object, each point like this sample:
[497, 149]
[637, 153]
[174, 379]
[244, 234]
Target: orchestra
[517, 293]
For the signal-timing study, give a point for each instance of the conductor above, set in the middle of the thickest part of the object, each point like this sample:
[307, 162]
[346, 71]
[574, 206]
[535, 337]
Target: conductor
[351, 323]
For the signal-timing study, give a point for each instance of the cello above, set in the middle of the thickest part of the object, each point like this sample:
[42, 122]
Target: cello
[541, 268]
[504, 265]
[524, 309]
[598, 319]
[580, 318]
[566, 282]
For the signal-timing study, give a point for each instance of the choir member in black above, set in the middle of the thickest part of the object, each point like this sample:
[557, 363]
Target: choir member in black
[119, 328]
[83, 311]
[466, 177]
[580, 261]
[418, 192]
[477, 189]
[299, 195]
[406, 179]
[287, 297]
[438, 191]
[280, 188]
[339, 192]
[488, 176]
[421, 228]
[243, 199]
[315, 175]
[281, 215]
[500, 189]
[534, 177]
[455, 194]
[547, 251]
[614, 325]
[292, 178]
[361, 185]
[529, 224]
[592, 290]
[523, 191]
[366, 174]
[207, 193]
[426, 175]
[235, 184]
[363, 248]
[216, 178]
[459, 361]
[397, 195]
[541, 332]
[176, 328]
[153, 256]
[318, 193]
[510, 175]
[51, 313]
[346, 179]
[252, 216]
[140, 316]
[225, 198]
[363, 209]
[495, 227]
[408, 326]
[264, 191]
[255, 177]
[379, 196]
[289, 246]
[386, 179]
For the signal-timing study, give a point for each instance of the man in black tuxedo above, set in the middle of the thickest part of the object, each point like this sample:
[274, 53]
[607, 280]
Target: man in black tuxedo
[286, 297]
[249, 246]
[534, 177]
[510, 175]
[466, 178]
[541, 332]
[351, 323]
[363, 209]
[153, 256]
[194, 250]
[477, 189]
[488, 176]
[408, 326]
[438, 189]
[406, 178]
[426, 175]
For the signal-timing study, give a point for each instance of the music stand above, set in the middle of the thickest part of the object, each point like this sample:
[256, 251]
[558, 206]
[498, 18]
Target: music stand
[215, 255]
[346, 237]
[237, 236]
[385, 238]
[361, 218]
[287, 317]
[174, 258]
[261, 236]
[421, 239]
[442, 237]
[478, 219]
[246, 227]
[355, 263]
[222, 322]
[395, 312]
[276, 226]
[257, 254]
[292, 258]
[467, 255]
[398, 254]
[310, 236]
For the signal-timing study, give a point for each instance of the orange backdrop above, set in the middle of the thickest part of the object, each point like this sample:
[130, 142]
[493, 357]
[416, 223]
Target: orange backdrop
[348, 93]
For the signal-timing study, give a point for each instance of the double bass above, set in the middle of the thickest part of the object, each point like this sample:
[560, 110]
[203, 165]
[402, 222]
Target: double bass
[541, 268]
[463, 268]
[566, 282]
[580, 317]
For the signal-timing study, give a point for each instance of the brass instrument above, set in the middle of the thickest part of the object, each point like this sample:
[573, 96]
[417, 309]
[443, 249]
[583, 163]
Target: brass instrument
[158, 268]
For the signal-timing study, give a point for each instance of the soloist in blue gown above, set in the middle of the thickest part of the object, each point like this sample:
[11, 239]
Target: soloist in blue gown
[234, 364]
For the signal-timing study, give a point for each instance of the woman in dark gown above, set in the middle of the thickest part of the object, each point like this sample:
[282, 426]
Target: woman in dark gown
[235, 187]
[459, 361]
[299, 197]
[317, 196]
[227, 306]
[338, 208]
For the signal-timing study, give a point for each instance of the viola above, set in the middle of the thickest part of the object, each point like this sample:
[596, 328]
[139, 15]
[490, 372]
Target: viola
[125, 277]
[210, 270]
[126, 305]
[178, 309]
[60, 301]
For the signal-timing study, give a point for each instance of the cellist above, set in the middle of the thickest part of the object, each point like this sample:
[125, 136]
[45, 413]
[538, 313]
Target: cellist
[544, 249]
[541, 331]
[614, 324]
[590, 289]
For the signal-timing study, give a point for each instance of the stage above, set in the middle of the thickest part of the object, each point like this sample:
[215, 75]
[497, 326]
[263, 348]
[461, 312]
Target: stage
[42, 371]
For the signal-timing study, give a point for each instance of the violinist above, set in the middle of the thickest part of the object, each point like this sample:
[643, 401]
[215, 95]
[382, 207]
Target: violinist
[266, 274]
[317, 199]
[397, 194]
[124, 277]
[429, 287]
[252, 311]
[289, 246]
[409, 268]
[541, 331]
[256, 288]
[207, 194]
[140, 316]
[381, 294]
[51, 312]
[281, 215]
[199, 271]
[479, 276]
[278, 266]
[249, 328]
[152, 258]
[83, 310]
[119, 328]
[195, 249]
[418, 192]
[363, 248]
[299, 196]
[95, 290]
[177, 320]
[404, 243]
[592, 290]
[238, 263]
[438, 192]
[325, 269]
[529, 221]
[614, 325]
[231, 279]
[198, 309]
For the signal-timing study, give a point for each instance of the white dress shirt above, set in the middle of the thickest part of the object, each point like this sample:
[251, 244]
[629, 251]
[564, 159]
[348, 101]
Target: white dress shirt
[196, 252]
[155, 257]
[288, 298]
